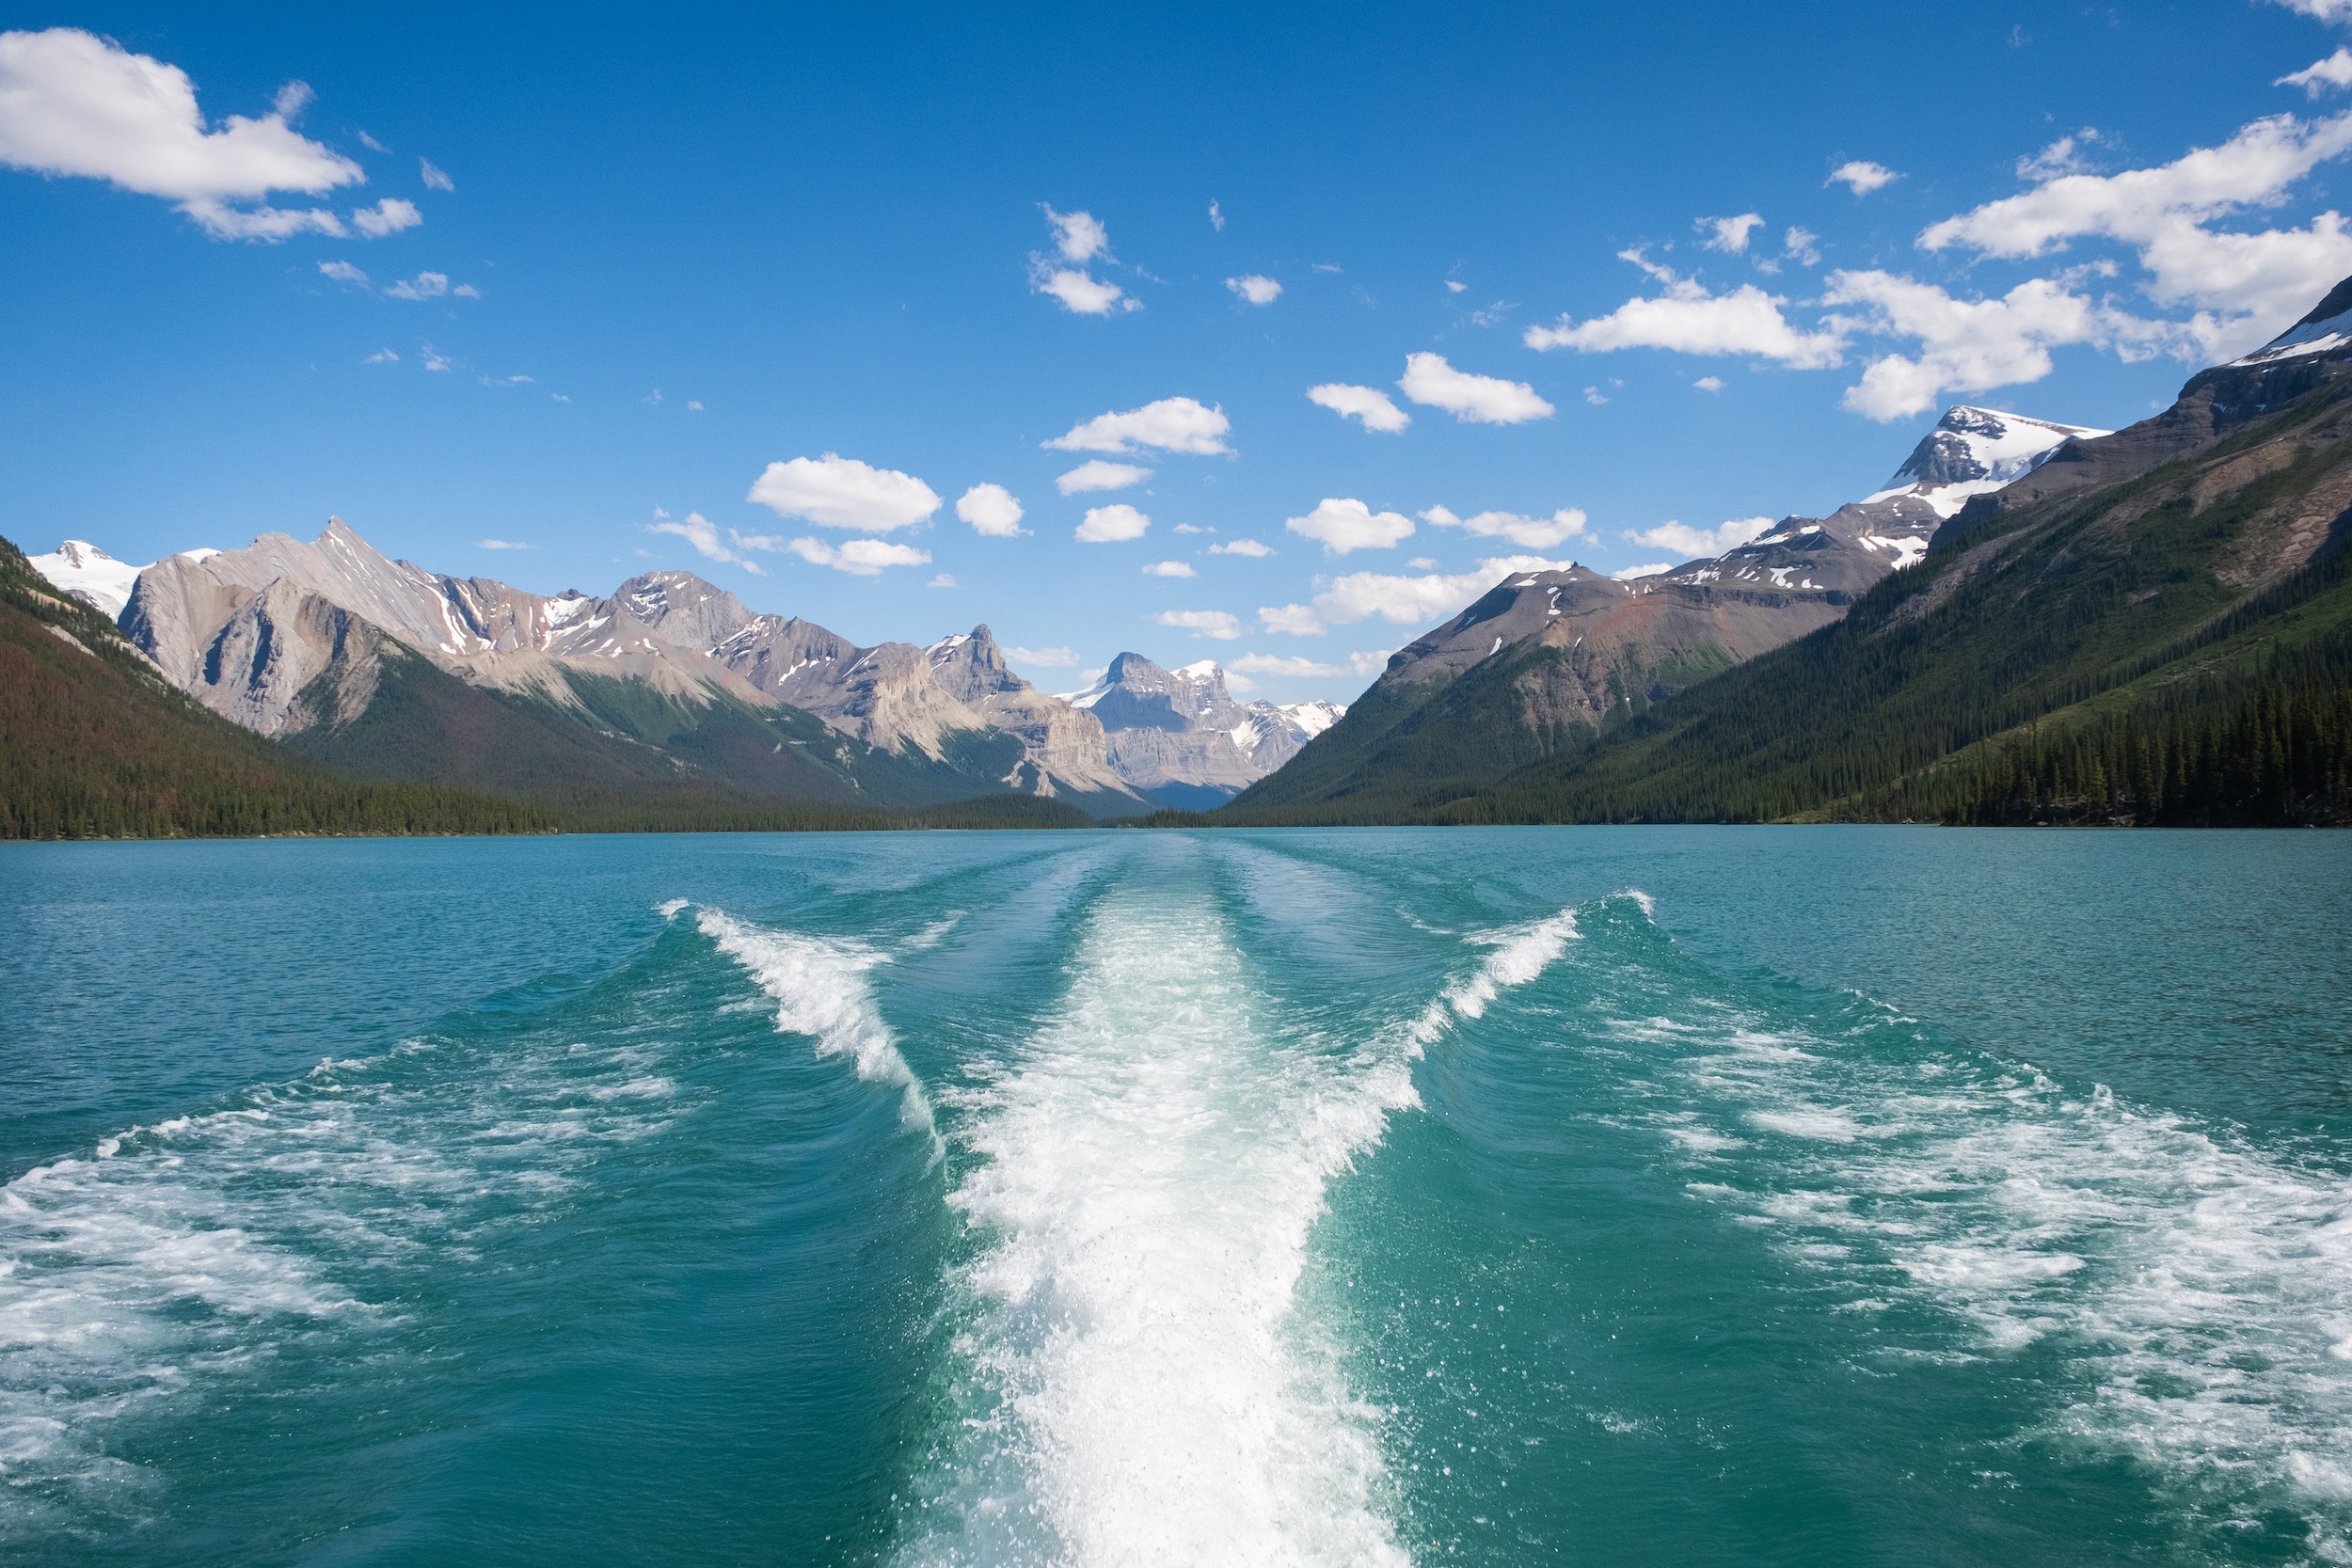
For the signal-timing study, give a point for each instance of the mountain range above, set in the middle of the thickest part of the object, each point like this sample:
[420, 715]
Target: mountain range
[379, 667]
[2149, 625]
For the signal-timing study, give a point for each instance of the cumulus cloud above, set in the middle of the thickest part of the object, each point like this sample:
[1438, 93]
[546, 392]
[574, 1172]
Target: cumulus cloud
[388, 216]
[1802, 245]
[1217, 217]
[860, 557]
[991, 510]
[697, 531]
[1703, 541]
[1708, 384]
[343, 272]
[1111, 525]
[74, 103]
[1862, 176]
[1405, 600]
[1647, 569]
[1729, 235]
[1535, 533]
[1687, 319]
[382, 357]
[2325, 11]
[943, 579]
[1340, 526]
[1216, 624]
[1169, 569]
[1096, 474]
[1171, 425]
[1081, 293]
[1078, 236]
[1239, 547]
[2317, 77]
[426, 285]
[1471, 399]
[1367, 404]
[436, 360]
[833, 491]
[1282, 664]
[1255, 289]
[1043, 659]
[1972, 345]
[434, 179]
[2255, 282]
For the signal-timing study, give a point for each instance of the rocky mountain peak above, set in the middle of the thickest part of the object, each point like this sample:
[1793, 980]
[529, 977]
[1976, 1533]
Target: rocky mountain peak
[1972, 450]
[972, 666]
[87, 573]
[682, 610]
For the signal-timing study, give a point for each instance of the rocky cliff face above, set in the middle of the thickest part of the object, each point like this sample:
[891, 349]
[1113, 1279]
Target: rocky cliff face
[245, 631]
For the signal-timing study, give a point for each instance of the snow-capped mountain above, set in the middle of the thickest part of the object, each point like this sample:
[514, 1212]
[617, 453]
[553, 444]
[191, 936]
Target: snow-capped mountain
[90, 575]
[1180, 735]
[2326, 329]
[1974, 451]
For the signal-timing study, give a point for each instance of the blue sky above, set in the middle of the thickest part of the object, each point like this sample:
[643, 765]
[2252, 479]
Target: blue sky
[655, 254]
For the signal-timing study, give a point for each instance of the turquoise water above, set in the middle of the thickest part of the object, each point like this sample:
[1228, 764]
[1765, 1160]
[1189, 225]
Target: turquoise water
[1622, 1196]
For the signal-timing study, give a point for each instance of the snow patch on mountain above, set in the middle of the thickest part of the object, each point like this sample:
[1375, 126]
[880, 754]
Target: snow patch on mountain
[87, 573]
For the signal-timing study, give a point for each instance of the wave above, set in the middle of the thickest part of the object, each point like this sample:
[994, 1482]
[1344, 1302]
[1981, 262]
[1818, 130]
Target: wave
[2197, 1288]
[1136, 1381]
[819, 987]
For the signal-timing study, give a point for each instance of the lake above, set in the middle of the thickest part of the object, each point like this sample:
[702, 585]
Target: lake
[1805, 1195]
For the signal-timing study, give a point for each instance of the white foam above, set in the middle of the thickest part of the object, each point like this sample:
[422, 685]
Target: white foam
[1520, 954]
[1139, 1385]
[819, 986]
[2202, 1286]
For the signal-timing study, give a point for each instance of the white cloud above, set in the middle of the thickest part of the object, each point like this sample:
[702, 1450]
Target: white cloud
[1193, 527]
[467, 291]
[1282, 664]
[1096, 474]
[1972, 345]
[860, 557]
[833, 491]
[1406, 601]
[1112, 524]
[1369, 662]
[1535, 533]
[2317, 77]
[1692, 541]
[1238, 683]
[1240, 547]
[1367, 404]
[382, 357]
[991, 510]
[1079, 236]
[2256, 282]
[697, 531]
[1169, 569]
[1647, 569]
[1471, 399]
[1454, 286]
[1729, 235]
[73, 104]
[1043, 659]
[426, 285]
[434, 179]
[1257, 290]
[1802, 245]
[1202, 623]
[1340, 526]
[1081, 293]
[1423, 563]
[370, 143]
[434, 359]
[1595, 396]
[502, 544]
[1687, 319]
[2325, 11]
[942, 580]
[1862, 176]
[693, 407]
[1708, 384]
[388, 216]
[343, 272]
[1171, 424]
[1217, 219]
